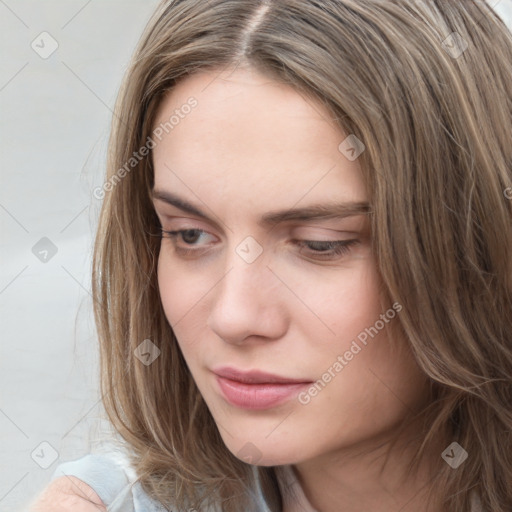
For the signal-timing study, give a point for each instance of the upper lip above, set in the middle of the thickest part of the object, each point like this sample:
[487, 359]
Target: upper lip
[255, 376]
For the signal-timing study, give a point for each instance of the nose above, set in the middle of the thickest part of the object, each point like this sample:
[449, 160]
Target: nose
[248, 303]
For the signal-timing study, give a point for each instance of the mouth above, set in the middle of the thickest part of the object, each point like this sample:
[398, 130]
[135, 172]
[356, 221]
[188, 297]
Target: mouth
[256, 389]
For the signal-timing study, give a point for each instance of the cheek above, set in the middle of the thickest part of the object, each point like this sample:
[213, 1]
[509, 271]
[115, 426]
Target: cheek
[348, 302]
[181, 290]
[358, 364]
[372, 380]
[179, 295]
[184, 293]
[168, 283]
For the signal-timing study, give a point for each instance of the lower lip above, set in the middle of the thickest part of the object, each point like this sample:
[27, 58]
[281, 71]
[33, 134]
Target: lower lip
[258, 396]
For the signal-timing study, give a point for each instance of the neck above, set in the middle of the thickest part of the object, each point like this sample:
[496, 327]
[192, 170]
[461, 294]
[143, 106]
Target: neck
[372, 477]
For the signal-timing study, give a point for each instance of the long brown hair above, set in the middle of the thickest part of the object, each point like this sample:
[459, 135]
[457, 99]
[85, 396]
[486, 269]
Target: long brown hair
[427, 86]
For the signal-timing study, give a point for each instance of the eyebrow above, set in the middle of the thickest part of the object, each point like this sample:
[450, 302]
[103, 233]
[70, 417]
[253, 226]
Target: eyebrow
[306, 213]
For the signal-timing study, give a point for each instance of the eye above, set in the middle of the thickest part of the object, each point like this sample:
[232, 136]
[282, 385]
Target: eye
[188, 236]
[315, 249]
[330, 249]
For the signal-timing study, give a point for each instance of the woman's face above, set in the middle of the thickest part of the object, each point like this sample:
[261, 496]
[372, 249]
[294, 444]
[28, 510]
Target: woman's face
[259, 283]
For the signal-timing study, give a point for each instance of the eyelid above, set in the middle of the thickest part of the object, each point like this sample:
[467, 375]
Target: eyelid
[302, 232]
[162, 211]
[362, 218]
[193, 221]
[322, 233]
[334, 234]
[351, 224]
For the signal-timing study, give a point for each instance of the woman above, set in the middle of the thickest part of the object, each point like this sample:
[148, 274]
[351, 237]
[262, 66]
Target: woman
[302, 281]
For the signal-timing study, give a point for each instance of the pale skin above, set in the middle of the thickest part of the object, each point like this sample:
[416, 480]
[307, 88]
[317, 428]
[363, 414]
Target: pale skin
[252, 146]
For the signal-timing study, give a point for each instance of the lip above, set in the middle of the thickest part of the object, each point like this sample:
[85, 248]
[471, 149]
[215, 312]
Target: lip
[256, 389]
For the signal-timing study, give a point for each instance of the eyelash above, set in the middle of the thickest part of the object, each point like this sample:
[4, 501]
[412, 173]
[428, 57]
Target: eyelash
[338, 247]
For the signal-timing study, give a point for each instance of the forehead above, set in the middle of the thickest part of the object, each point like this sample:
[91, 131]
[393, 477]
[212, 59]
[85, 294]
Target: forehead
[253, 140]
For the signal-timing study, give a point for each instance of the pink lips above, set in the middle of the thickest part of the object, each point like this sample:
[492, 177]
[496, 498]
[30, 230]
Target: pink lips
[256, 389]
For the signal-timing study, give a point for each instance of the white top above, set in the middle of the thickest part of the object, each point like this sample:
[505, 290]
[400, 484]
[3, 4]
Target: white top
[110, 475]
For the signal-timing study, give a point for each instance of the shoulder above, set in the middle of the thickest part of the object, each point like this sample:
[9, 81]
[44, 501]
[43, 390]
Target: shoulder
[104, 473]
[65, 494]
[109, 473]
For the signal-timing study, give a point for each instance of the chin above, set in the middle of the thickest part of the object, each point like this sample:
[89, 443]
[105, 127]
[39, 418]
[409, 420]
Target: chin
[261, 452]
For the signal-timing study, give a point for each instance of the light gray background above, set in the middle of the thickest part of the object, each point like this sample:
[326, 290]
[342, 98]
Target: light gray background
[55, 115]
